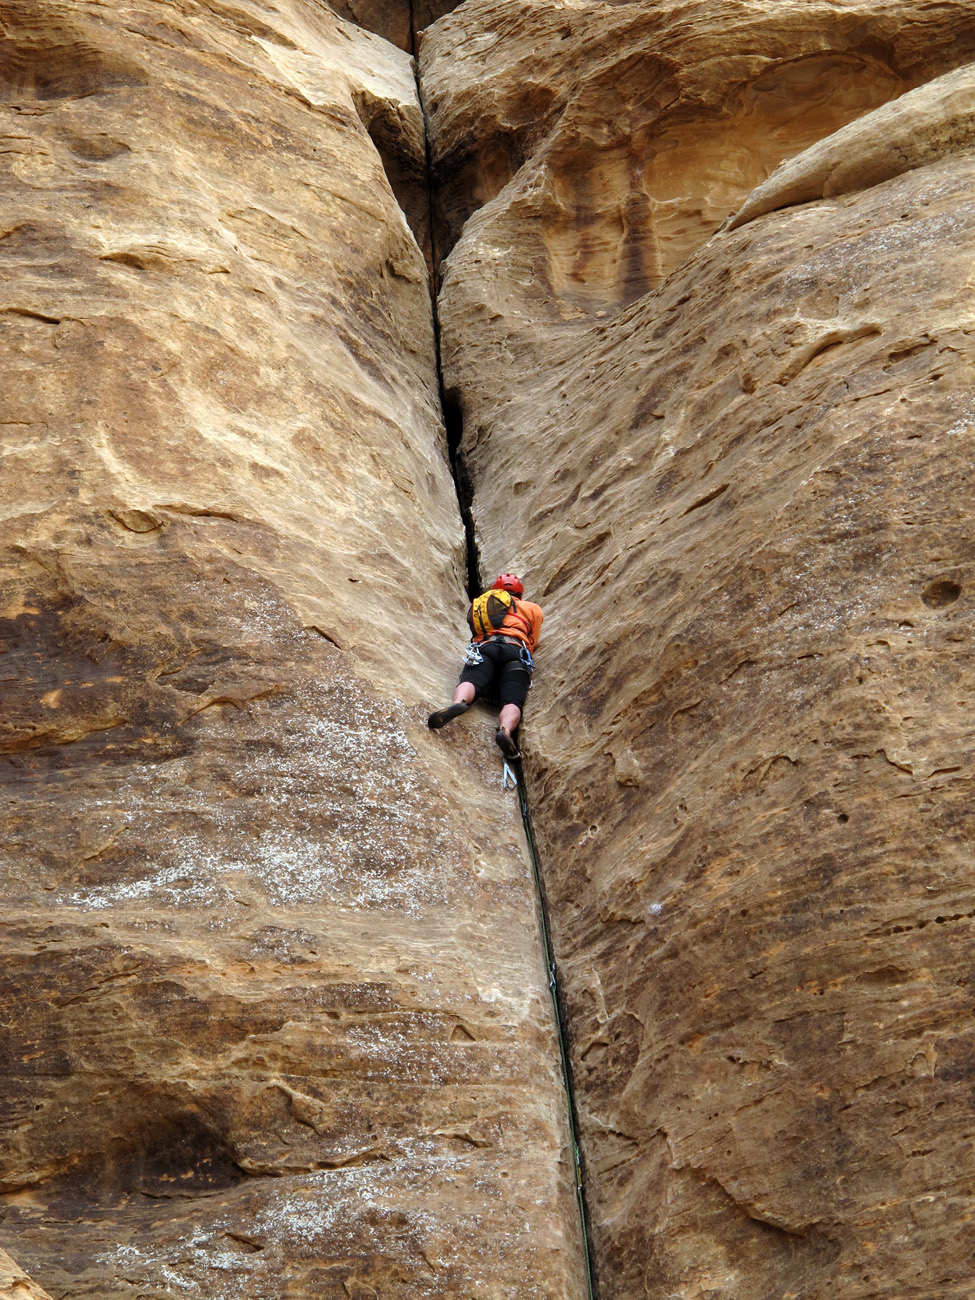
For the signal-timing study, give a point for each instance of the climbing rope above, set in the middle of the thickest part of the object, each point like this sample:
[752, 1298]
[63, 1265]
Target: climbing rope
[517, 783]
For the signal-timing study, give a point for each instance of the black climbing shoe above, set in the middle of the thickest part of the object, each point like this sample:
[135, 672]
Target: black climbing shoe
[506, 744]
[443, 716]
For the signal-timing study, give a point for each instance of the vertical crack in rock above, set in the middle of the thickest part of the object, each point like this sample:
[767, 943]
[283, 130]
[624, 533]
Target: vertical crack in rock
[453, 417]
[450, 402]
[454, 426]
[562, 1029]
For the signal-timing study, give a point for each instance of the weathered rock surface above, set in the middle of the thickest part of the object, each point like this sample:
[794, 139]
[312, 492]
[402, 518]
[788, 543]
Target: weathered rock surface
[275, 1016]
[600, 145]
[275, 1012]
[915, 130]
[744, 502]
[15, 1284]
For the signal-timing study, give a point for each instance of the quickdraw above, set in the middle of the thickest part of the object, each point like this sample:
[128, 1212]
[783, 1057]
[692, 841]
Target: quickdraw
[472, 654]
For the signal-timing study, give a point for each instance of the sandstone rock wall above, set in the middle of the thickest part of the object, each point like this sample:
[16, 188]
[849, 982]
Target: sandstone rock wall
[600, 145]
[15, 1284]
[744, 501]
[276, 1017]
[275, 1014]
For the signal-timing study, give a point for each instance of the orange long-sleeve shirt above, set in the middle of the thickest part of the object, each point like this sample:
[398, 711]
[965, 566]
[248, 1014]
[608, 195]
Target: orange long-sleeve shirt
[524, 612]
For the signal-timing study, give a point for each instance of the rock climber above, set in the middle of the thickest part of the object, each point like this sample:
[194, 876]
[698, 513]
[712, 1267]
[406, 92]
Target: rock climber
[504, 633]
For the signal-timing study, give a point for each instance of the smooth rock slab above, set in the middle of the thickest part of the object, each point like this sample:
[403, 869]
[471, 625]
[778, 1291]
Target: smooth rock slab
[276, 1019]
[592, 148]
[744, 502]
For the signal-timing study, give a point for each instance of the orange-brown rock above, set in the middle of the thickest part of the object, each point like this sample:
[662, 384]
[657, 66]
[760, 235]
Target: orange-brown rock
[275, 1010]
[15, 1284]
[596, 146]
[912, 131]
[744, 501]
[398, 21]
[275, 1014]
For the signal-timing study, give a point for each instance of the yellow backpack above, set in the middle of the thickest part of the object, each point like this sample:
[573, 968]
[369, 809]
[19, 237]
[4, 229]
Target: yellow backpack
[489, 611]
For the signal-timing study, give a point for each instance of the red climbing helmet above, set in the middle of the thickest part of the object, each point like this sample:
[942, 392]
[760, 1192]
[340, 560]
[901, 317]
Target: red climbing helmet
[510, 582]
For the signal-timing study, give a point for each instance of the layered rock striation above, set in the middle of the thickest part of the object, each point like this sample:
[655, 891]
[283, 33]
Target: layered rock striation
[596, 146]
[275, 1005]
[736, 467]
[15, 1284]
[275, 1014]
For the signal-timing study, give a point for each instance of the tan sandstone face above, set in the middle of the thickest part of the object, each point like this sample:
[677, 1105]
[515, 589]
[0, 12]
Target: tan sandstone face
[603, 144]
[273, 990]
[746, 496]
[275, 1013]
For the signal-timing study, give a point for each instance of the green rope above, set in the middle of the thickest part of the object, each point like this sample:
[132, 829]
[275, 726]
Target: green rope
[553, 989]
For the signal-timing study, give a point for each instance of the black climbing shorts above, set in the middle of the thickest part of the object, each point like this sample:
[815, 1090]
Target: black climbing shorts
[501, 676]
